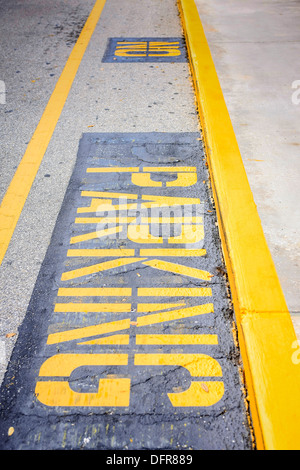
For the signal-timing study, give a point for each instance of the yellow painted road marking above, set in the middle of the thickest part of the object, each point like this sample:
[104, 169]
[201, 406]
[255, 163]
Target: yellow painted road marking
[140, 49]
[95, 268]
[114, 169]
[174, 291]
[179, 269]
[103, 220]
[93, 330]
[106, 195]
[94, 291]
[157, 307]
[197, 395]
[115, 339]
[266, 332]
[198, 365]
[100, 252]
[168, 48]
[92, 307]
[175, 315]
[169, 200]
[61, 365]
[111, 392]
[145, 179]
[174, 169]
[184, 252]
[18, 190]
[177, 339]
[173, 220]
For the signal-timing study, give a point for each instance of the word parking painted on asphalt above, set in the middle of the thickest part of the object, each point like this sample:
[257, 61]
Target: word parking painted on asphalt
[129, 325]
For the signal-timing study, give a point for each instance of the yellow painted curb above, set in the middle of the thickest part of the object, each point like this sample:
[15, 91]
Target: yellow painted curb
[265, 330]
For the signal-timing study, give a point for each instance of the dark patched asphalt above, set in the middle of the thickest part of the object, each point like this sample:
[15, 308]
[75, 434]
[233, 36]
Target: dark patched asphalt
[149, 420]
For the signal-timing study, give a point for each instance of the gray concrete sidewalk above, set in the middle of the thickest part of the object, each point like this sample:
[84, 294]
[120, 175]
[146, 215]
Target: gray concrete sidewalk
[255, 47]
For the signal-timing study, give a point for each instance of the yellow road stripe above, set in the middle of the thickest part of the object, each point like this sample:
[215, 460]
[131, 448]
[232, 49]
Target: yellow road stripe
[184, 252]
[157, 307]
[179, 269]
[197, 364]
[115, 339]
[93, 330]
[179, 314]
[100, 252]
[266, 332]
[177, 339]
[103, 220]
[174, 291]
[172, 220]
[95, 268]
[18, 190]
[172, 169]
[63, 364]
[114, 169]
[92, 307]
[106, 195]
[169, 200]
[93, 291]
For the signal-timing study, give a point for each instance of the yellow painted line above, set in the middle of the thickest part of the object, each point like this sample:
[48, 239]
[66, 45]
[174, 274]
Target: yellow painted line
[169, 200]
[62, 365]
[18, 190]
[116, 339]
[100, 252]
[179, 269]
[184, 252]
[93, 330]
[177, 339]
[197, 364]
[93, 291]
[173, 315]
[115, 169]
[265, 329]
[103, 220]
[106, 195]
[96, 268]
[91, 307]
[172, 220]
[154, 307]
[172, 169]
[174, 291]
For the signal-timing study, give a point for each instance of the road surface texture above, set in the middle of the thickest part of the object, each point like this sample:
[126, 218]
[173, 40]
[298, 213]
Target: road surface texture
[117, 327]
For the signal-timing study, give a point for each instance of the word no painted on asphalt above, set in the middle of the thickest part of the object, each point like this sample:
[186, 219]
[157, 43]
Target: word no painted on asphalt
[145, 50]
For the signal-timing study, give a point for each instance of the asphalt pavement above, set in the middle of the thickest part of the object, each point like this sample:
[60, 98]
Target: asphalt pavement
[115, 334]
